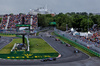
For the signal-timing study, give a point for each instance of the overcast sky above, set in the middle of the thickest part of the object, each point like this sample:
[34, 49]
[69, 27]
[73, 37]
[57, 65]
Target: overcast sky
[23, 6]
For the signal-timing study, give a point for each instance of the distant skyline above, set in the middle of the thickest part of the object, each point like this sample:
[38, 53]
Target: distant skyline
[57, 6]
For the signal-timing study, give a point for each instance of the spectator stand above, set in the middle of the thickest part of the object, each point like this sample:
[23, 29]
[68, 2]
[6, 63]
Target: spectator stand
[23, 33]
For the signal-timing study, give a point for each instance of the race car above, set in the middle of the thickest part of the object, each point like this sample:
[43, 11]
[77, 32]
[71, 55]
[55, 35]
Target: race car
[62, 42]
[68, 45]
[57, 39]
[76, 51]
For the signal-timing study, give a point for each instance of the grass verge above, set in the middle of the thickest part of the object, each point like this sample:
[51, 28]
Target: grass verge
[7, 48]
[36, 46]
[52, 33]
[37, 33]
[40, 46]
[8, 35]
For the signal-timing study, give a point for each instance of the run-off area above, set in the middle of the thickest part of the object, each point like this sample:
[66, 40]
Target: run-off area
[39, 49]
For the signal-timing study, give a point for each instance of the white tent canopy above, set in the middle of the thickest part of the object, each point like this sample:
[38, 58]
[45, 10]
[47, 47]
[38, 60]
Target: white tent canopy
[22, 28]
[84, 34]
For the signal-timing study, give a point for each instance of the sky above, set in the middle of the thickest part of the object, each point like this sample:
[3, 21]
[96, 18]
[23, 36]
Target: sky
[57, 6]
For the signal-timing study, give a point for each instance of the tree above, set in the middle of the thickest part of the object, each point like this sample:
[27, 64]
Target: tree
[0, 20]
[84, 24]
[44, 20]
[11, 13]
[98, 20]
[79, 20]
[41, 20]
[83, 13]
[76, 21]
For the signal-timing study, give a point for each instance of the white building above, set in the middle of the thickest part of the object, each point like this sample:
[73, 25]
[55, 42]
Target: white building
[41, 10]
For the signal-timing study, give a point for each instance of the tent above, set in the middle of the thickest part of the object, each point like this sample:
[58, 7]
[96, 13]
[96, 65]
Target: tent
[76, 33]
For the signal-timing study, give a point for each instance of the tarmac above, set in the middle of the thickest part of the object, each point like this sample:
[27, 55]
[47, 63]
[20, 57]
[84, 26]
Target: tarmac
[68, 57]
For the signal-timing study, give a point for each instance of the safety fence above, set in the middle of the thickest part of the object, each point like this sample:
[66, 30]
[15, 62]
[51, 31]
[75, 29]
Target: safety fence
[83, 47]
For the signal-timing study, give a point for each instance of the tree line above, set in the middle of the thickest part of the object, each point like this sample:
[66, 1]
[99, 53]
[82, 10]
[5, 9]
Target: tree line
[0, 20]
[80, 20]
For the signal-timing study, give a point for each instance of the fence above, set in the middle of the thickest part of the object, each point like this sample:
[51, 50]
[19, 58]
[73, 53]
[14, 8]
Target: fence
[13, 47]
[26, 37]
[81, 46]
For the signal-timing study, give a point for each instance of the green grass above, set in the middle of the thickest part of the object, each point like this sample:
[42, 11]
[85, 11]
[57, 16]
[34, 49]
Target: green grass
[7, 48]
[37, 33]
[74, 45]
[52, 33]
[8, 35]
[42, 47]
[43, 50]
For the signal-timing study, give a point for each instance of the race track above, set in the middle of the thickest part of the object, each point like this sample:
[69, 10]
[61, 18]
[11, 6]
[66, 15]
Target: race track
[67, 55]
[4, 41]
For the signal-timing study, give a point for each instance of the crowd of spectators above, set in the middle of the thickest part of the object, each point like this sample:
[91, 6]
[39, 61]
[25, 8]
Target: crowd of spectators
[34, 22]
[14, 19]
[96, 38]
[17, 19]
[90, 40]
[4, 21]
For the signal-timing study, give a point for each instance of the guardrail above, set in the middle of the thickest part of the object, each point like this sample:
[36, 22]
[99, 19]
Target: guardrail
[13, 47]
[83, 47]
[27, 42]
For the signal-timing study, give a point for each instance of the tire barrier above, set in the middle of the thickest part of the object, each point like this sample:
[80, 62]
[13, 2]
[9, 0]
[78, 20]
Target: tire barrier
[83, 47]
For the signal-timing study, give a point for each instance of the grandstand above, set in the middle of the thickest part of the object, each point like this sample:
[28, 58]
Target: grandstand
[10, 21]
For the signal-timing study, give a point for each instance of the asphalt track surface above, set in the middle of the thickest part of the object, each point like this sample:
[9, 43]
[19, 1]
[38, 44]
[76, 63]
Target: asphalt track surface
[67, 55]
[4, 41]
